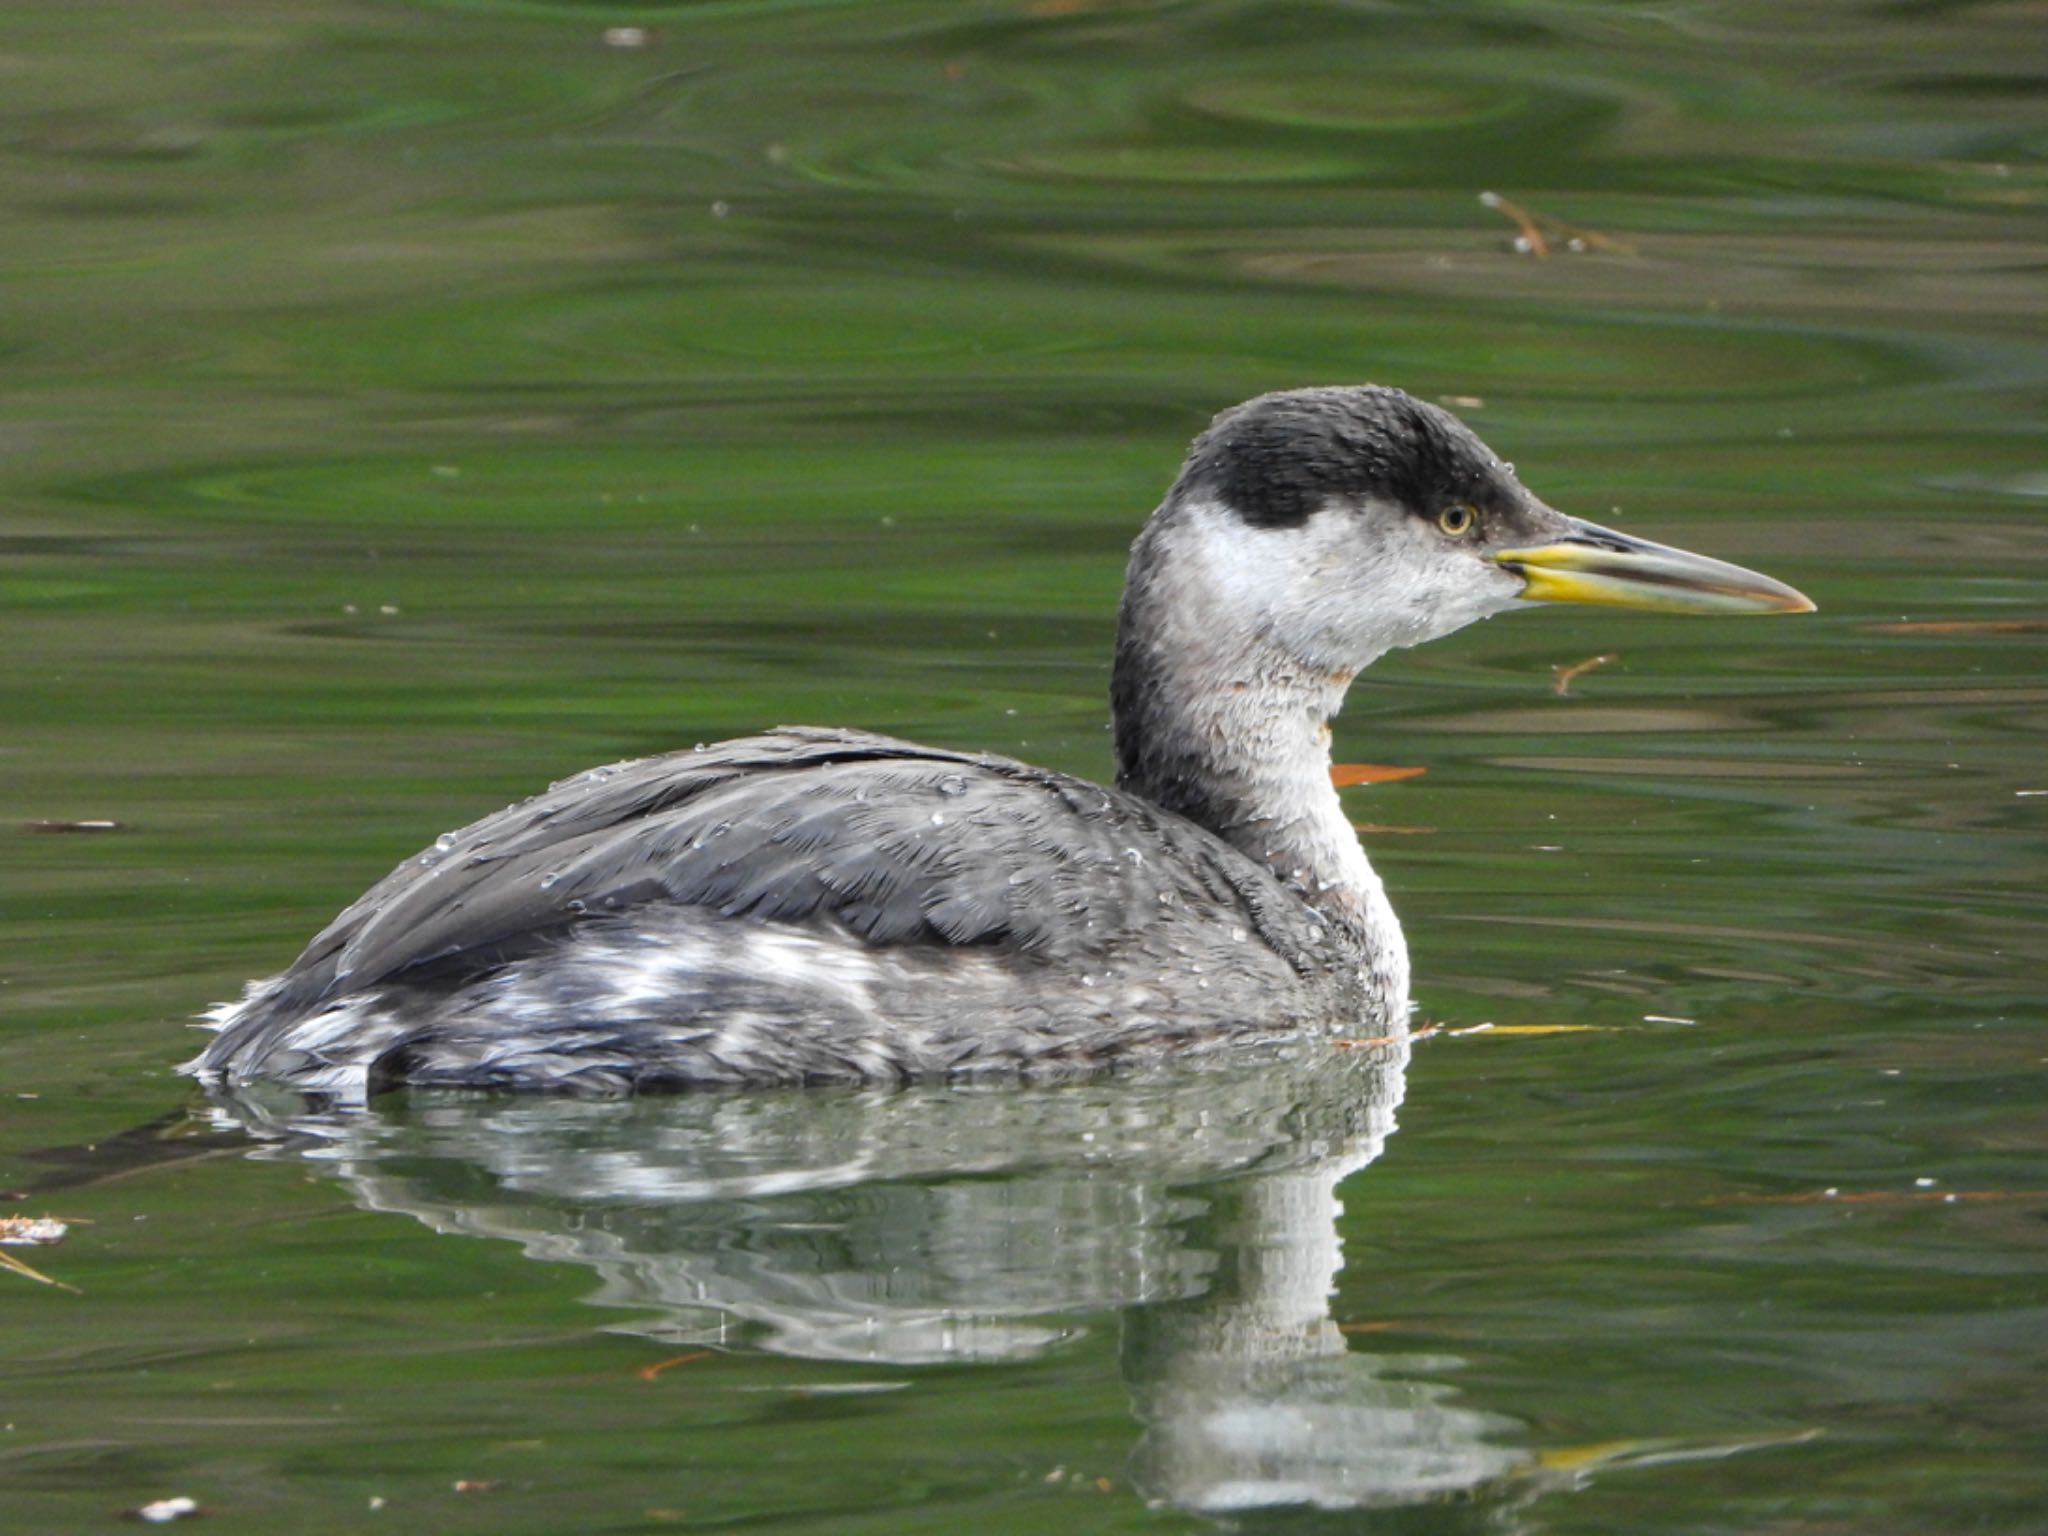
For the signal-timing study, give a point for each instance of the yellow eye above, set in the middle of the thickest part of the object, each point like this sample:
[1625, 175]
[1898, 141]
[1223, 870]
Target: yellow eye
[1457, 520]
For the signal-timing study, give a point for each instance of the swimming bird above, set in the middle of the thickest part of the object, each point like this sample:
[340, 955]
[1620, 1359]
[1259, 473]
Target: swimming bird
[812, 905]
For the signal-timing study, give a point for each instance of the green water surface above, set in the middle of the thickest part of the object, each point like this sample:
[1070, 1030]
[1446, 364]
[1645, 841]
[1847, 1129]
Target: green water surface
[404, 404]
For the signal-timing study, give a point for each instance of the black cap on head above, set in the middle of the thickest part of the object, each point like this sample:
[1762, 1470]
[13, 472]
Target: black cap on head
[1276, 459]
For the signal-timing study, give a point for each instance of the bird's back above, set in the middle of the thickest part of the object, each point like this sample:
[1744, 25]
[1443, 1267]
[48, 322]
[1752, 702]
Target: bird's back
[799, 906]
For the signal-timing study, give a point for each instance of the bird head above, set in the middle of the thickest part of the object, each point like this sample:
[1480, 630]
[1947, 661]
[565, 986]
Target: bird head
[1356, 519]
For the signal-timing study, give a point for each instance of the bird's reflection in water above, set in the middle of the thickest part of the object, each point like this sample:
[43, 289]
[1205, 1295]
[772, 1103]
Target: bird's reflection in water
[926, 1226]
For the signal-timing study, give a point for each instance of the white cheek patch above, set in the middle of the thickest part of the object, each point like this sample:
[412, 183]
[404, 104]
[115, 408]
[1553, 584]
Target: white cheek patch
[1347, 586]
[1433, 585]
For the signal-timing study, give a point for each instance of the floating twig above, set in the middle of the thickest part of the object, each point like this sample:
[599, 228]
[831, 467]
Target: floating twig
[1562, 677]
[1536, 1029]
[1958, 627]
[29, 1271]
[1346, 775]
[1348, 1043]
[1536, 233]
[649, 1372]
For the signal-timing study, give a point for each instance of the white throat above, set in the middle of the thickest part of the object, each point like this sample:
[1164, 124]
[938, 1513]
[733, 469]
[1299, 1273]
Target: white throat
[1232, 661]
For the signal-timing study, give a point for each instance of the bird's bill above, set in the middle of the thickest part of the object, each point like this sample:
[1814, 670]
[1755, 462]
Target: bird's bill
[1591, 564]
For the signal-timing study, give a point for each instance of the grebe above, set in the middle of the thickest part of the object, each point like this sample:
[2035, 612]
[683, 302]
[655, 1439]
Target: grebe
[813, 905]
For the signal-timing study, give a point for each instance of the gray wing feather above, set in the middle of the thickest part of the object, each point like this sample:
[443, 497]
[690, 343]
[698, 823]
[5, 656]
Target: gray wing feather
[895, 842]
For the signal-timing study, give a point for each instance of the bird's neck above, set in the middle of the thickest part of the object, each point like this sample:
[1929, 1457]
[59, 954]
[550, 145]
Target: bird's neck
[1218, 723]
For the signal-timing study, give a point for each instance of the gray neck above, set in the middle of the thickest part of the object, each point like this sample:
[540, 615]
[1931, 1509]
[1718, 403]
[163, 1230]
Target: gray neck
[1219, 721]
